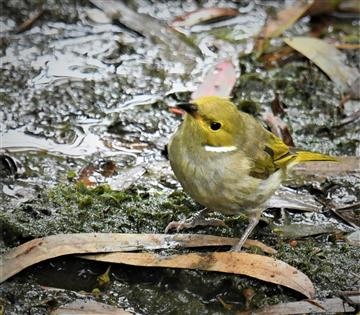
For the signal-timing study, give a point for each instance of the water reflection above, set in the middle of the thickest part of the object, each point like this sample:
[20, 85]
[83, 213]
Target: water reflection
[85, 144]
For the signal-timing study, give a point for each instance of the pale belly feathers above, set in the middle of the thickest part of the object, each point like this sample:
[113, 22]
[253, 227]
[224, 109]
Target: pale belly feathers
[216, 182]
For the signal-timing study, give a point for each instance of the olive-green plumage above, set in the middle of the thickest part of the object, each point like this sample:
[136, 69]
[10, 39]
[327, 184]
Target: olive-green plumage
[227, 161]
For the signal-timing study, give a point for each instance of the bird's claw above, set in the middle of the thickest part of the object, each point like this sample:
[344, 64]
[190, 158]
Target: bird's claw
[177, 225]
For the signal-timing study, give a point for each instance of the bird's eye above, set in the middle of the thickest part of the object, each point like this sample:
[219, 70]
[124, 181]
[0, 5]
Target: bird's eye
[215, 125]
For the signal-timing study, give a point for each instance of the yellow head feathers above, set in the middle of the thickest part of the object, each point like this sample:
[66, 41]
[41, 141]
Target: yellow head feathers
[216, 120]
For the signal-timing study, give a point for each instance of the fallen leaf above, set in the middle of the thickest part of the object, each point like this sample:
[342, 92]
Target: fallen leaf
[348, 213]
[53, 246]
[276, 106]
[350, 6]
[260, 245]
[279, 128]
[261, 267]
[85, 173]
[108, 168]
[353, 238]
[320, 171]
[275, 122]
[277, 57]
[322, 7]
[287, 17]
[88, 307]
[80, 294]
[328, 59]
[351, 297]
[288, 198]
[30, 21]
[126, 178]
[204, 15]
[219, 81]
[275, 26]
[347, 46]
[98, 16]
[328, 306]
[299, 230]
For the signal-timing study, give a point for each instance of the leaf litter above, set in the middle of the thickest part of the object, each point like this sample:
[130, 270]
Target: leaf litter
[52, 246]
[257, 266]
[330, 60]
[287, 17]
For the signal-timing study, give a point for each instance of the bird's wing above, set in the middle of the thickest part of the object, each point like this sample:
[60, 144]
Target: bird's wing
[267, 153]
[270, 155]
[281, 153]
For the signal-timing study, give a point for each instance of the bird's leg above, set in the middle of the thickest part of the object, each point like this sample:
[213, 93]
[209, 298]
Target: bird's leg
[253, 221]
[199, 218]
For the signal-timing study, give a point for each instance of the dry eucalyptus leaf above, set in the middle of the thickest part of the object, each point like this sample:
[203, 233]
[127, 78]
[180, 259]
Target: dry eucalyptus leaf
[41, 249]
[261, 267]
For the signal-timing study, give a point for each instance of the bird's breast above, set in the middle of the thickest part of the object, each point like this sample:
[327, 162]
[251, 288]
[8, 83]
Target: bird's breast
[218, 180]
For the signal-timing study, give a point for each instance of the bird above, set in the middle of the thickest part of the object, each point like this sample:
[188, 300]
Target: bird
[227, 161]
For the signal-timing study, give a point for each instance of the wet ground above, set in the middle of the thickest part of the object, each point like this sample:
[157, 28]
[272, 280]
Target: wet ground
[78, 91]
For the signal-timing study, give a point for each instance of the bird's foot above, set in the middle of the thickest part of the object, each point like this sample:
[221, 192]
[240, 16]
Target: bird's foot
[253, 221]
[196, 220]
[238, 246]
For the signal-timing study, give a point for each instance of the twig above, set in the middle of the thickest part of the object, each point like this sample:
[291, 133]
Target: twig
[29, 22]
[348, 120]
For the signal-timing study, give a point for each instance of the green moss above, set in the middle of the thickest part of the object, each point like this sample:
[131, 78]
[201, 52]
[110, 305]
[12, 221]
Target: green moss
[352, 38]
[85, 202]
[74, 208]
[327, 265]
[71, 175]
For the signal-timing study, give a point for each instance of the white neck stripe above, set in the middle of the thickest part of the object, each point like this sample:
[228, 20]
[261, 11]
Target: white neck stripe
[210, 148]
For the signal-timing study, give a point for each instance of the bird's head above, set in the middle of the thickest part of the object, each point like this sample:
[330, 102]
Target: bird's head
[213, 120]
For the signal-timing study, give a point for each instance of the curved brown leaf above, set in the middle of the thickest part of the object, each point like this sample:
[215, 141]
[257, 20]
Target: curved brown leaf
[53, 246]
[261, 267]
[287, 17]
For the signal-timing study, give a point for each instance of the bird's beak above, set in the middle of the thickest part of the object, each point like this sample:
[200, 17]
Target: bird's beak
[188, 107]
